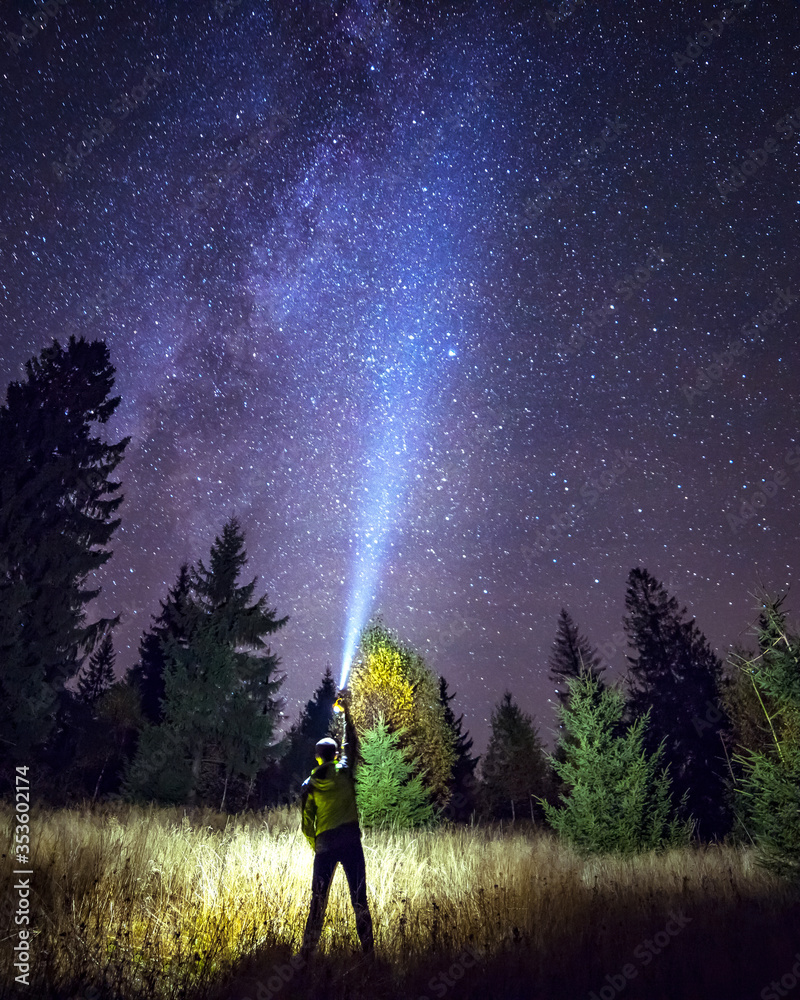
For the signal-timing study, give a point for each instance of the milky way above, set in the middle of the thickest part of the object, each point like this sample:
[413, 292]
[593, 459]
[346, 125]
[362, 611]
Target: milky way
[463, 309]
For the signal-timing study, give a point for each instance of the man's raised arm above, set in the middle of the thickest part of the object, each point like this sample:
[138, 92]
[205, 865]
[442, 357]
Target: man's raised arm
[349, 755]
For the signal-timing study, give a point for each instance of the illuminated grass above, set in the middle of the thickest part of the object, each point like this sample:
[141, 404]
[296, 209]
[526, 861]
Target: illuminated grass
[154, 904]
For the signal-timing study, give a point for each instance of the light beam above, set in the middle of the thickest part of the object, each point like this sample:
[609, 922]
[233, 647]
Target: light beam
[404, 379]
[384, 492]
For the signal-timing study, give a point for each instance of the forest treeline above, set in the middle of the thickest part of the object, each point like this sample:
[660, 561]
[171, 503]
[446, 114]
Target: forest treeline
[686, 746]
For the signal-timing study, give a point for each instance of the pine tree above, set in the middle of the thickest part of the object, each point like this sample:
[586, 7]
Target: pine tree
[515, 768]
[463, 784]
[56, 520]
[148, 674]
[314, 724]
[100, 674]
[676, 675]
[617, 797]
[390, 680]
[769, 788]
[388, 791]
[219, 707]
[571, 656]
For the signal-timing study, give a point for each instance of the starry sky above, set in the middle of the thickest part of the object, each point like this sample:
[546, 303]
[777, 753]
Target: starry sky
[463, 309]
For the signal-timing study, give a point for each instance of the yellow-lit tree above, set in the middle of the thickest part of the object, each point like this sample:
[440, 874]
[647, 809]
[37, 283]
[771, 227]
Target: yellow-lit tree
[389, 680]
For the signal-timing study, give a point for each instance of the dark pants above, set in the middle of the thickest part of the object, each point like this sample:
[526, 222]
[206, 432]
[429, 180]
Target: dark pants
[342, 844]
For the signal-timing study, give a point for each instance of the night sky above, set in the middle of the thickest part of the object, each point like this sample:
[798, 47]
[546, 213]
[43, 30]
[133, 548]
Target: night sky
[463, 309]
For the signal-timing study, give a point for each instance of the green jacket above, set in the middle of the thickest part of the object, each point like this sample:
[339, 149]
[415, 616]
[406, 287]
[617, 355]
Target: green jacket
[328, 795]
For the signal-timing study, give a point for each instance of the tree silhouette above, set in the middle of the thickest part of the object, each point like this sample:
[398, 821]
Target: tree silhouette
[314, 724]
[56, 520]
[148, 674]
[100, 673]
[515, 768]
[571, 656]
[675, 674]
[463, 784]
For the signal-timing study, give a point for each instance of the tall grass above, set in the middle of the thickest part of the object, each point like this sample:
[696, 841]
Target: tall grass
[134, 902]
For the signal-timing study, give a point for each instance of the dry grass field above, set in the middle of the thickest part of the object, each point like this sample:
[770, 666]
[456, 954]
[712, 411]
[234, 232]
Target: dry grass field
[132, 903]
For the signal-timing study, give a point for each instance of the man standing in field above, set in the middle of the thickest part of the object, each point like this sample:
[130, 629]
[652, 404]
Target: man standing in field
[330, 824]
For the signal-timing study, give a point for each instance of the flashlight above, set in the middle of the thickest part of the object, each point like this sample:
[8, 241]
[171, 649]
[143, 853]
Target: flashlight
[341, 701]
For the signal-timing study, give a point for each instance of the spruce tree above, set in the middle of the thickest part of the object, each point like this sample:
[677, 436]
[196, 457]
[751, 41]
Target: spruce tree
[313, 725]
[388, 791]
[515, 769]
[463, 783]
[99, 676]
[676, 675]
[769, 787]
[219, 706]
[617, 797]
[571, 656]
[148, 674]
[388, 679]
[56, 520]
